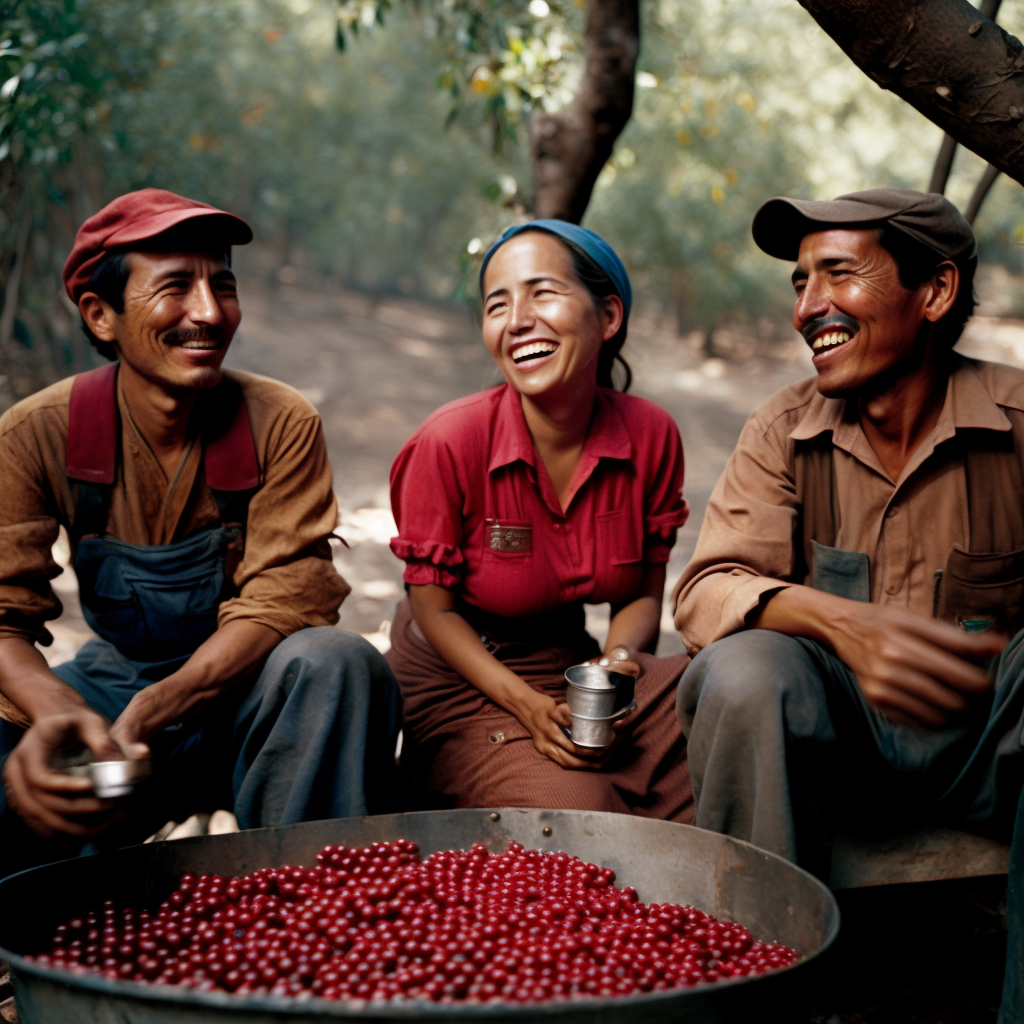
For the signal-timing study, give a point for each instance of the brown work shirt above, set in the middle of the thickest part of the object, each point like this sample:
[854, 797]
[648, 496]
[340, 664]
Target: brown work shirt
[751, 542]
[285, 580]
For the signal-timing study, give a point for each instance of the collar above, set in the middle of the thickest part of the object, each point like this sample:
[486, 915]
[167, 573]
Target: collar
[968, 405]
[608, 437]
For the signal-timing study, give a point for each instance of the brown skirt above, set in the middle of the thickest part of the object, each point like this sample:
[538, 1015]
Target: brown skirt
[460, 749]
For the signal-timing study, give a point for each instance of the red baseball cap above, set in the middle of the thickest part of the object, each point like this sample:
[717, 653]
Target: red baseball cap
[138, 217]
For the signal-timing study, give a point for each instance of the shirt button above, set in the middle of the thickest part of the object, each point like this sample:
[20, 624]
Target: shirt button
[893, 511]
[558, 526]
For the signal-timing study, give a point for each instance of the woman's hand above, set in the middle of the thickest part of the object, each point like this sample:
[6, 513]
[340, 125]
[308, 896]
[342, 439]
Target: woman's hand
[544, 718]
[619, 658]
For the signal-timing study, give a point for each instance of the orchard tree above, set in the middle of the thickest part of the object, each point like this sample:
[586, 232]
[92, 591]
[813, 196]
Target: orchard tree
[508, 57]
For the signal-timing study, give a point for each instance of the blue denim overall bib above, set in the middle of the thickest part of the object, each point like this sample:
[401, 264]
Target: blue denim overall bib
[154, 603]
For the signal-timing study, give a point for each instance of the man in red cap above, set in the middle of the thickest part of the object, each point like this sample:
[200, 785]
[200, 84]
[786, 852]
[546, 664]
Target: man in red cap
[860, 569]
[199, 505]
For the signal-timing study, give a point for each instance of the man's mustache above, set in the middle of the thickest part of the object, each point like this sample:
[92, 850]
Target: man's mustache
[183, 334]
[847, 323]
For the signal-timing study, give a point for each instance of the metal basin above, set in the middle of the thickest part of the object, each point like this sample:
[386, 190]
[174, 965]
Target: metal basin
[663, 861]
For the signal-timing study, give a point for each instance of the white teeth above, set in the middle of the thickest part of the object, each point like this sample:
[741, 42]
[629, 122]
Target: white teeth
[830, 340]
[200, 344]
[537, 348]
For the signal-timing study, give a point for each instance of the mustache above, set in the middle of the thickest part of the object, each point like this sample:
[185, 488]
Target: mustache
[850, 325]
[182, 334]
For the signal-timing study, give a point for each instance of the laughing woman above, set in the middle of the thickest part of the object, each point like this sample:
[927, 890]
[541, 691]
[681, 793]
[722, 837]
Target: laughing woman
[517, 506]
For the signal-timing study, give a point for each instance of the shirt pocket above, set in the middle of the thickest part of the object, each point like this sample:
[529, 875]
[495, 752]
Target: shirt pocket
[978, 589]
[508, 540]
[618, 540]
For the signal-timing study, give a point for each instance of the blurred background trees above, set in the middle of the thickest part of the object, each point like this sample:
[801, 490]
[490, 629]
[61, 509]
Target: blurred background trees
[390, 165]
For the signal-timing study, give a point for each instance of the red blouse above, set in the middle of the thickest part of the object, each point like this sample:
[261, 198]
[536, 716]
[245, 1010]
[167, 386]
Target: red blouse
[477, 512]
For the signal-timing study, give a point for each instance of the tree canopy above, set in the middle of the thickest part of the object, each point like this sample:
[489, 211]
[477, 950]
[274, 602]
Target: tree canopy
[391, 165]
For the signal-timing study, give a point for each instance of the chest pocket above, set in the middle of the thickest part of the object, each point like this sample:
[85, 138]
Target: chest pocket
[985, 585]
[154, 603]
[618, 541]
[978, 591]
[843, 573]
[508, 540]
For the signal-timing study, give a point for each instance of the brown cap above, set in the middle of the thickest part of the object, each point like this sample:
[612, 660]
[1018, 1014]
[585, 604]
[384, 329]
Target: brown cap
[780, 224]
[139, 217]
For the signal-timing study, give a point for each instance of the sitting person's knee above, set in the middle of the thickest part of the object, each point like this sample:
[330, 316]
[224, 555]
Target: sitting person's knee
[743, 673]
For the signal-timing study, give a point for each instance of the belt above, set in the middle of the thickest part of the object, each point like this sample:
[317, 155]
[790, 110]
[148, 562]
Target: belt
[544, 630]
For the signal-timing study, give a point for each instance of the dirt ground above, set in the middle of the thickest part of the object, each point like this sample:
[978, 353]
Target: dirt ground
[375, 368]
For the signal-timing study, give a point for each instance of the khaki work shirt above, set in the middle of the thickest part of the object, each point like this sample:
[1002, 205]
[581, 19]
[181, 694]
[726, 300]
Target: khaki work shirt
[285, 580]
[750, 541]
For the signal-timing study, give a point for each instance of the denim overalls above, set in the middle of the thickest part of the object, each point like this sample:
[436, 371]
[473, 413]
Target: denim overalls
[291, 745]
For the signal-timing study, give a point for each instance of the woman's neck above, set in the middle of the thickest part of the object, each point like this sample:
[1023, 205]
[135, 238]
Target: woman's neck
[559, 431]
[560, 422]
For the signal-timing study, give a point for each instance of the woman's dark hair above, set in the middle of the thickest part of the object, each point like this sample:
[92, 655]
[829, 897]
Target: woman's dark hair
[917, 263]
[108, 281]
[601, 287]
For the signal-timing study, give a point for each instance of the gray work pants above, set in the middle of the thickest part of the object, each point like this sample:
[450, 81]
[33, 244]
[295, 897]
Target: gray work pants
[781, 740]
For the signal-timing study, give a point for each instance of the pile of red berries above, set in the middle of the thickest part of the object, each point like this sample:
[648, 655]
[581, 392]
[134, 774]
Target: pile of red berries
[380, 923]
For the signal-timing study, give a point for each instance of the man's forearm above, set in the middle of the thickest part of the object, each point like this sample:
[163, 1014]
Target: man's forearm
[802, 611]
[230, 656]
[27, 682]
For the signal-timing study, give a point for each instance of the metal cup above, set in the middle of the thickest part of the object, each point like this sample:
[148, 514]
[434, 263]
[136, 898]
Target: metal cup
[596, 696]
[112, 779]
[595, 691]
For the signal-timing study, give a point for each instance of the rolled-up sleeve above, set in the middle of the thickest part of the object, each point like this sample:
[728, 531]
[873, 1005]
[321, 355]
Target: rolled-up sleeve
[665, 509]
[286, 579]
[28, 530]
[428, 500]
[746, 549]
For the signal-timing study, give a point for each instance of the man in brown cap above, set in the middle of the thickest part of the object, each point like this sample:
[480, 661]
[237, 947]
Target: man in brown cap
[859, 573]
[199, 503]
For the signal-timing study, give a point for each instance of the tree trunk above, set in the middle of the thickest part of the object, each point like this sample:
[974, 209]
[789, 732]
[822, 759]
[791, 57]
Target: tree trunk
[569, 148]
[945, 58]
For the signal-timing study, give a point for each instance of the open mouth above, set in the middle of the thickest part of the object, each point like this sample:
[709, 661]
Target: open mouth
[833, 339]
[202, 346]
[534, 350]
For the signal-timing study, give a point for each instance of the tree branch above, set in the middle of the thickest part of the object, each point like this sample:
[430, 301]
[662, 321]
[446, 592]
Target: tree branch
[945, 58]
[569, 148]
[980, 191]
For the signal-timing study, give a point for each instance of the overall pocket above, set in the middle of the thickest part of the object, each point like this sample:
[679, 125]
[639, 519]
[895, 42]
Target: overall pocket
[843, 573]
[975, 590]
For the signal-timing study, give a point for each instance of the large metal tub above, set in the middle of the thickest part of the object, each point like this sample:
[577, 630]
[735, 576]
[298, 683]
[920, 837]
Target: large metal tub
[663, 861]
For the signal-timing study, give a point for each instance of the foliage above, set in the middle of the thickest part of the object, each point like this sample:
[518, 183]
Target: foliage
[53, 113]
[501, 58]
[391, 166]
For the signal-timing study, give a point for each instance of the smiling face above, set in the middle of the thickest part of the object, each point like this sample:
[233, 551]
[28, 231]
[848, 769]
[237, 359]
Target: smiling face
[863, 326]
[541, 324]
[180, 313]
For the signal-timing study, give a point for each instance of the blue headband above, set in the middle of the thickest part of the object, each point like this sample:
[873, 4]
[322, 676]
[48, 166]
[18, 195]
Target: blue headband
[589, 241]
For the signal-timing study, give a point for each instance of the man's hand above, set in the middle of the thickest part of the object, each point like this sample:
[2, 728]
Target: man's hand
[911, 668]
[233, 655]
[53, 803]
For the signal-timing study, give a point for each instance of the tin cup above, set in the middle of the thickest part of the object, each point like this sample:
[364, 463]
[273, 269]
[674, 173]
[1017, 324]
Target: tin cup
[597, 696]
[112, 779]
